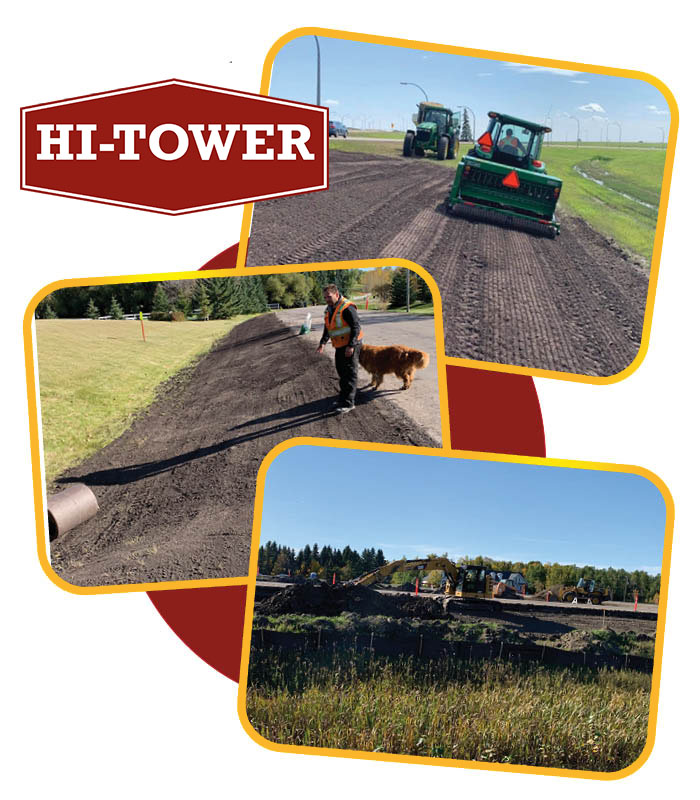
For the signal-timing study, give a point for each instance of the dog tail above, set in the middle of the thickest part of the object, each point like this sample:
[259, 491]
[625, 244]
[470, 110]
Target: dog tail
[421, 359]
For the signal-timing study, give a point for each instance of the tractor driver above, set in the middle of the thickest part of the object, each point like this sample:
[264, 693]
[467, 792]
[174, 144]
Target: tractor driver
[511, 144]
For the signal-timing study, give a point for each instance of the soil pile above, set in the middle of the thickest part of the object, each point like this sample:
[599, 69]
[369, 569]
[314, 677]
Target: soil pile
[553, 593]
[330, 601]
[176, 490]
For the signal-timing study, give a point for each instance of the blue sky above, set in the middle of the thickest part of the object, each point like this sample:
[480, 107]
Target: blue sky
[360, 83]
[412, 505]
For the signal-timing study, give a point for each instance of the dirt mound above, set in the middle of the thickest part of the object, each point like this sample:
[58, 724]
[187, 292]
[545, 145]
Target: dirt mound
[585, 642]
[553, 592]
[176, 491]
[330, 601]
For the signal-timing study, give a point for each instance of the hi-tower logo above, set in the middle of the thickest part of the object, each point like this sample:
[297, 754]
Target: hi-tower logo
[174, 147]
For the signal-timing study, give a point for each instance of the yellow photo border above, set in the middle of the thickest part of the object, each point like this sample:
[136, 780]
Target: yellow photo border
[31, 368]
[470, 456]
[522, 59]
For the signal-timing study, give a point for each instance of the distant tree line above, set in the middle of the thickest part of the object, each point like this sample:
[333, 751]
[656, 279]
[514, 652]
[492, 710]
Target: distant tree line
[274, 559]
[347, 563]
[204, 298]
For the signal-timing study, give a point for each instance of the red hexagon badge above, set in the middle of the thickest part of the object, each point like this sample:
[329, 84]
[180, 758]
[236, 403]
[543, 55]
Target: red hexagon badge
[174, 147]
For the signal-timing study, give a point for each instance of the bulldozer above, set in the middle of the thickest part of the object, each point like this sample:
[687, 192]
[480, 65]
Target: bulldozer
[503, 180]
[462, 581]
[437, 129]
[584, 591]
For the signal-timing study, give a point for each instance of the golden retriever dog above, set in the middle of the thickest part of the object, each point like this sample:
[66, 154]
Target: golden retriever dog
[402, 361]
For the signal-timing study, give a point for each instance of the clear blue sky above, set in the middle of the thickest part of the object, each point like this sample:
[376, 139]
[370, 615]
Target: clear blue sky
[412, 505]
[360, 84]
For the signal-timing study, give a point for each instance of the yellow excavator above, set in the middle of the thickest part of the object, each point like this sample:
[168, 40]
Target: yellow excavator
[464, 581]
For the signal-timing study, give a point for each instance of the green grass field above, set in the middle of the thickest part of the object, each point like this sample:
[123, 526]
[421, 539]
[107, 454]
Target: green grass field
[569, 718]
[94, 376]
[635, 170]
[376, 134]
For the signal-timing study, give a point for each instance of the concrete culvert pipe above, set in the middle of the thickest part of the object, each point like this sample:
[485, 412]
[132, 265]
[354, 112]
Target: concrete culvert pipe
[70, 508]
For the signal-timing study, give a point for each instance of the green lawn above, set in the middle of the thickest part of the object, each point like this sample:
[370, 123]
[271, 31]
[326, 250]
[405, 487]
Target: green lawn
[376, 134]
[635, 170]
[95, 375]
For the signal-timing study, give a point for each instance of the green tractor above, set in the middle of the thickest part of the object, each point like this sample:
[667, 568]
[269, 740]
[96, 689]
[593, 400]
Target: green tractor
[503, 180]
[437, 129]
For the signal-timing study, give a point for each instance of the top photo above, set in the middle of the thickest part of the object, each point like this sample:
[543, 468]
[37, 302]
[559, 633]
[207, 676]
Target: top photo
[533, 191]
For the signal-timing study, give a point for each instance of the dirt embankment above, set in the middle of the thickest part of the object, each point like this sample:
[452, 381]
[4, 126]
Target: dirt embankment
[322, 599]
[176, 490]
[575, 304]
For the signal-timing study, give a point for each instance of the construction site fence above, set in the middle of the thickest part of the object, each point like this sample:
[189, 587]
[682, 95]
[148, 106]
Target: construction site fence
[430, 647]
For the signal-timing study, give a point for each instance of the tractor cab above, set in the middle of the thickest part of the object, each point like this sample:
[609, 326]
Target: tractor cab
[502, 179]
[512, 141]
[433, 115]
[587, 584]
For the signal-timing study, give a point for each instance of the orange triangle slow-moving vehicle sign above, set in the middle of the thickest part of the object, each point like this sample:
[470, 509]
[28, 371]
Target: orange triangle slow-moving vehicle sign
[485, 140]
[511, 180]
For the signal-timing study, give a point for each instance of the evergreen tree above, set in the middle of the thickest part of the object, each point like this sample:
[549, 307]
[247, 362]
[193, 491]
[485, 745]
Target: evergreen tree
[398, 288]
[115, 309]
[92, 311]
[201, 300]
[161, 304]
[221, 293]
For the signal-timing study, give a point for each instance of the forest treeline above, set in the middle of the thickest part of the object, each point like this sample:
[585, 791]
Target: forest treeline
[346, 564]
[226, 297]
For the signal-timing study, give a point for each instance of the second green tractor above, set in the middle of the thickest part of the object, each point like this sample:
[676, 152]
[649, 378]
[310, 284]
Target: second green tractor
[437, 130]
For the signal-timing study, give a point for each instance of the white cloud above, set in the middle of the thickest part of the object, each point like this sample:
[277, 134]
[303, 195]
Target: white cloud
[332, 102]
[579, 81]
[484, 74]
[532, 68]
[655, 110]
[592, 107]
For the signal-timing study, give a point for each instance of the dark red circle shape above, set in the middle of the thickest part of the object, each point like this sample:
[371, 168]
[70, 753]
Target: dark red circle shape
[490, 412]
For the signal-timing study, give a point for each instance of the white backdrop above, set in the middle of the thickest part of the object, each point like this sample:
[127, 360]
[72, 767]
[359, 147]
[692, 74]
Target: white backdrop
[101, 698]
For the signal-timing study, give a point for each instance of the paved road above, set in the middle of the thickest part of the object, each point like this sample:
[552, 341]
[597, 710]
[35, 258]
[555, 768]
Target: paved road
[420, 402]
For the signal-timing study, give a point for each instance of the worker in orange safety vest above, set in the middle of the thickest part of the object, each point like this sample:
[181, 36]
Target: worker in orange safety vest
[342, 327]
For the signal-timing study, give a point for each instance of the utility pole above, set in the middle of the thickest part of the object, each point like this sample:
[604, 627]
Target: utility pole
[318, 72]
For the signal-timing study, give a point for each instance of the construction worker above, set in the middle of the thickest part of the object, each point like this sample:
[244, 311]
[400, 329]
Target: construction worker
[512, 143]
[342, 327]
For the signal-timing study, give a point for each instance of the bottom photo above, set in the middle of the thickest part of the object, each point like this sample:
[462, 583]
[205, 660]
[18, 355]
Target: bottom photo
[411, 606]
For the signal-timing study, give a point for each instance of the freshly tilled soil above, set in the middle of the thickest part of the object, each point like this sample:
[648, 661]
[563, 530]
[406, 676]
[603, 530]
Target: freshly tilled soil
[575, 304]
[176, 490]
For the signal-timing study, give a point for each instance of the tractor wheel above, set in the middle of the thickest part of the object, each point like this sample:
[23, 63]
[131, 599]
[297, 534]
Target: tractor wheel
[595, 600]
[443, 144]
[569, 597]
[453, 148]
[408, 144]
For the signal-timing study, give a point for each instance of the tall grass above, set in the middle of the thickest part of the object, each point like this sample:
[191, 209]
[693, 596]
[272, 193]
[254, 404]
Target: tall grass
[484, 711]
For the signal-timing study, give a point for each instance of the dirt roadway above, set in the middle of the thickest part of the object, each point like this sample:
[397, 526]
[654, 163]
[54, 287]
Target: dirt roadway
[176, 490]
[575, 304]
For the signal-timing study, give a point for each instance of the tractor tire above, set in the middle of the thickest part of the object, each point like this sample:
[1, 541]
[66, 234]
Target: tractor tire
[408, 144]
[595, 600]
[453, 149]
[569, 597]
[442, 147]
